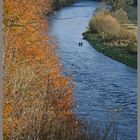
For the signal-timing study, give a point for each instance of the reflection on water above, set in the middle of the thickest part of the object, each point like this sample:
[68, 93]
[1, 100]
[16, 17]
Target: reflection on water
[104, 86]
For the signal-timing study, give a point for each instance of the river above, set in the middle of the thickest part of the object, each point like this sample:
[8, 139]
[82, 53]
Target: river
[104, 87]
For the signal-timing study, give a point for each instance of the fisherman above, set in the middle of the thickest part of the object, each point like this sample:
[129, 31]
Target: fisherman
[80, 43]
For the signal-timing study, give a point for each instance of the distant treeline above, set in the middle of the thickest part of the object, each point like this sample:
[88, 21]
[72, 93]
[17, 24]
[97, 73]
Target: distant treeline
[60, 3]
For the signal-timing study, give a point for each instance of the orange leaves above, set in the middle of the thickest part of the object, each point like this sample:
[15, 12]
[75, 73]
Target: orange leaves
[8, 107]
[32, 83]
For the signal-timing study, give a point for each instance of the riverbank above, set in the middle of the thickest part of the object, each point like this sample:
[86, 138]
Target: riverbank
[59, 4]
[116, 52]
[113, 32]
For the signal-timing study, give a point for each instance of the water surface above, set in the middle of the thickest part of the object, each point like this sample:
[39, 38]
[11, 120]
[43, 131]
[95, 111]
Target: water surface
[104, 87]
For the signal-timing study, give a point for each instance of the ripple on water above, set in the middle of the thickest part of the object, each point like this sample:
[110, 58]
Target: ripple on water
[104, 87]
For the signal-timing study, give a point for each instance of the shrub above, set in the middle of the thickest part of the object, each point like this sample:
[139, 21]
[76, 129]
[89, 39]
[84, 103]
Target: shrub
[117, 4]
[34, 90]
[132, 45]
[106, 25]
[121, 15]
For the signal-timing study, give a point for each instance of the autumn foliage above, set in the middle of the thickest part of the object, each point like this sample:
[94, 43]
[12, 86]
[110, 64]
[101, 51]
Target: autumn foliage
[36, 96]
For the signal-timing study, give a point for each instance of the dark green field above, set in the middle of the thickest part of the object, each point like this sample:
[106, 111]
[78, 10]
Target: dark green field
[116, 52]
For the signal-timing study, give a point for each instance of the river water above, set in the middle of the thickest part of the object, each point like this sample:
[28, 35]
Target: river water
[104, 87]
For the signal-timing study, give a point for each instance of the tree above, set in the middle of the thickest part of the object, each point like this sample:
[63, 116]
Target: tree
[118, 4]
[34, 90]
[60, 3]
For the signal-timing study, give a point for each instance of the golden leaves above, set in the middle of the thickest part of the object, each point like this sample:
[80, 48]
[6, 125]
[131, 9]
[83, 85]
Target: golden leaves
[32, 83]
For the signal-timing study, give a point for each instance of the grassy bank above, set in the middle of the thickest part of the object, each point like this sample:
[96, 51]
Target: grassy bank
[116, 52]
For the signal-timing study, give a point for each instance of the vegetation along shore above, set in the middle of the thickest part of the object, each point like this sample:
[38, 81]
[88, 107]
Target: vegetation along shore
[113, 31]
[37, 98]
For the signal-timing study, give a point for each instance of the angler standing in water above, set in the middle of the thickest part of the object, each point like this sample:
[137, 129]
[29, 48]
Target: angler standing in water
[80, 43]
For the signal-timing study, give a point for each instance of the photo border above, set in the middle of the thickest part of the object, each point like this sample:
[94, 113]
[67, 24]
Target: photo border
[1, 52]
[138, 72]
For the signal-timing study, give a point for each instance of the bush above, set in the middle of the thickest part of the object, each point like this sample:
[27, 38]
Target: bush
[34, 90]
[132, 45]
[106, 25]
[117, 4]
[127, 33]
[121, 15]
